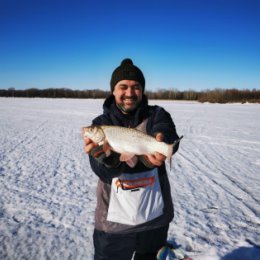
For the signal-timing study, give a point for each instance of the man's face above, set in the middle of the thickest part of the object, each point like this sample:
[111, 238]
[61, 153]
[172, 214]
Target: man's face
[128, 95]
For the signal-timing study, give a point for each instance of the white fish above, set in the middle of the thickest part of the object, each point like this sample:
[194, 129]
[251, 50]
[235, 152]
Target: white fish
[128, 142]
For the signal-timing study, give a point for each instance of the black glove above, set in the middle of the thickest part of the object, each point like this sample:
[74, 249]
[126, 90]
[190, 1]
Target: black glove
[98, 153]
[112, 161]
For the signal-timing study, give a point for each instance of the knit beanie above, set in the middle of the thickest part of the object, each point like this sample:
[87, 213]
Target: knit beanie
[127, 71]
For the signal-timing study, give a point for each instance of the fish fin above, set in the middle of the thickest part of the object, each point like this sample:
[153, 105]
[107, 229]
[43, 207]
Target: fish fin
[132, 162]
[129, 158]
[126, 157]
[142, 126]
[101, 143]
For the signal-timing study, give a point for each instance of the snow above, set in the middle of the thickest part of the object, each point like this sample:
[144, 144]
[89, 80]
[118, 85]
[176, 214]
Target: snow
[47, 189]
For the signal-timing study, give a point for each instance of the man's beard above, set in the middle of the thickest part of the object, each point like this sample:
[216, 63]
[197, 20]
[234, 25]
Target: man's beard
[130, 109]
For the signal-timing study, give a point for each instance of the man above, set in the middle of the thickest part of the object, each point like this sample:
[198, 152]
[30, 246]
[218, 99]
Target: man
[134, 205]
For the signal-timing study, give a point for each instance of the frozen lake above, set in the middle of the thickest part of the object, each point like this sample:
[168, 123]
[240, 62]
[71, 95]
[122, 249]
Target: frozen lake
[47, 189]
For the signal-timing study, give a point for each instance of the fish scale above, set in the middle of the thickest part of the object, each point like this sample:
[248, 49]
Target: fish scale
[128, 140]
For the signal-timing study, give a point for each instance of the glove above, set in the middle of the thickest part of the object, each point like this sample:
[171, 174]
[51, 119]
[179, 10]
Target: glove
[98, 153]
[112, 161]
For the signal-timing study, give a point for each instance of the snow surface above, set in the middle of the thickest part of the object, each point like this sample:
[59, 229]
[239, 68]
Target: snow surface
[47, 189]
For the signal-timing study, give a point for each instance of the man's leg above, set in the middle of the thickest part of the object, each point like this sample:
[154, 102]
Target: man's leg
[113, 246]
[149, 242]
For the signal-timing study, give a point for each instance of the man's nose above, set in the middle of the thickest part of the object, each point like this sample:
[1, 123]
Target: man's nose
[129, 91]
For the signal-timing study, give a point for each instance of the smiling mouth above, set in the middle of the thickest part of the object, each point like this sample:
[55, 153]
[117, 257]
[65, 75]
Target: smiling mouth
[131, 99]
[129, 102]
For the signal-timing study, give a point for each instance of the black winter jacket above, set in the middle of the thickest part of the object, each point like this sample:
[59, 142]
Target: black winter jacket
[159, 120]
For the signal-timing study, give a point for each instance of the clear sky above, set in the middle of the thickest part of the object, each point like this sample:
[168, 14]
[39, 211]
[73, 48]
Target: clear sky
[184, 44]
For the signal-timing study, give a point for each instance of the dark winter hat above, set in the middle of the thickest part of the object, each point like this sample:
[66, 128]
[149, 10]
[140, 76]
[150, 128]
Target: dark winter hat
[127, 71]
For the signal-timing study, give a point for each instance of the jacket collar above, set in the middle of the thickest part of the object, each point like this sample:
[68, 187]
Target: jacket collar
[129, 120]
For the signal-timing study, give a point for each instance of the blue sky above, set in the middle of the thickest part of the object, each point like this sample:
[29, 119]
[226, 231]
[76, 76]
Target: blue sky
[185, 44]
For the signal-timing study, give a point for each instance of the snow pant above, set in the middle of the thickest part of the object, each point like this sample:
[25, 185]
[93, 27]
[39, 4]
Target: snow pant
[144, 245]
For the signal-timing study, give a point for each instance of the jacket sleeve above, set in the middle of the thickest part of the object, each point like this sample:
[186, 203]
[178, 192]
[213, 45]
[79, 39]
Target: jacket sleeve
[104, 172]
[162, 123]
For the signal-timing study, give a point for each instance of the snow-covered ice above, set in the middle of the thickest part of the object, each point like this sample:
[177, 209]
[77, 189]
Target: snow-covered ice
[47, 189]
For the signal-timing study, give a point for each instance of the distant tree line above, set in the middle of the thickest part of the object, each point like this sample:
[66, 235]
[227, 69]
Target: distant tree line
[212, 96]
[53, 93]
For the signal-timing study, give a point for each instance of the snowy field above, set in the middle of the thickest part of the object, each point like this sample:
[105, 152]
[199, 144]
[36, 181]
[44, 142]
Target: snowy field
[47, 189]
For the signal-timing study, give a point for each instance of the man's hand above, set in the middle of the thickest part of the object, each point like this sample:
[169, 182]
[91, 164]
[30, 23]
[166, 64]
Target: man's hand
[89, 145]
[92, 148]
[102, 153]
[155, 159]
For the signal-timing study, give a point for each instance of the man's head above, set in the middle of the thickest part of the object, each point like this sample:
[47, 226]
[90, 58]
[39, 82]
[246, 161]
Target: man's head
[127, 85]
[127, 70]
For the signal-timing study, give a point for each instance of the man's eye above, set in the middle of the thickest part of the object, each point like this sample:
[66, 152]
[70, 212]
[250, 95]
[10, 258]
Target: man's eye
[138, 87]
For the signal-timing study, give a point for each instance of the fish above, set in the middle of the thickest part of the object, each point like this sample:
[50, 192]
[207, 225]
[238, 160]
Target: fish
[128, 142]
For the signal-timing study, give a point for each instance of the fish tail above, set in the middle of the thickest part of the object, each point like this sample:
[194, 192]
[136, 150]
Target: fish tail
[170, 151]
[169, 154]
